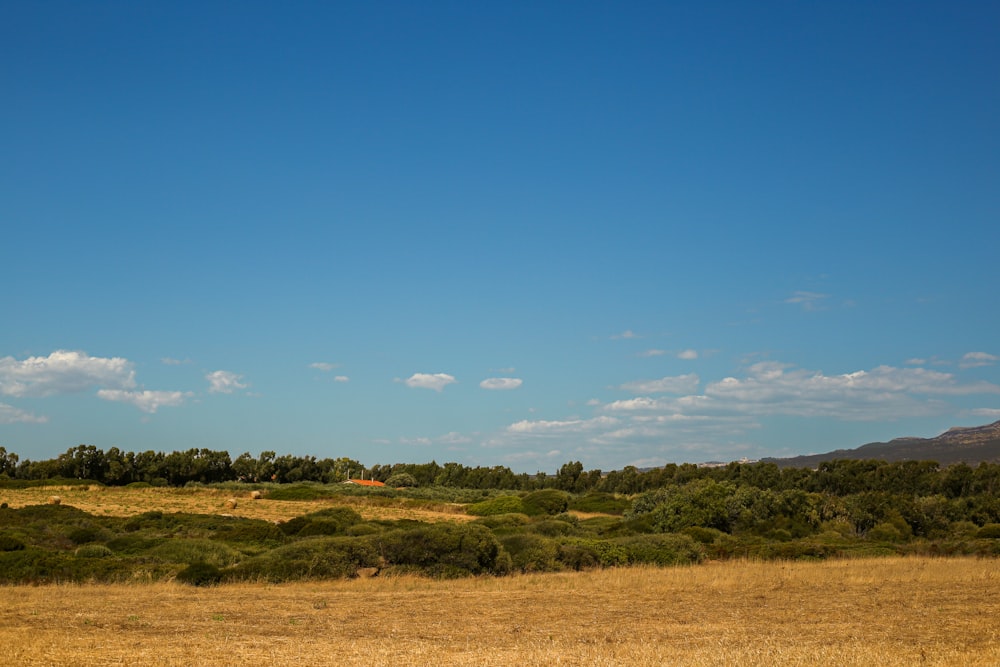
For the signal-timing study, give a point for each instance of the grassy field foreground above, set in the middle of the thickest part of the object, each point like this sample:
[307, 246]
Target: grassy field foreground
[855, 612]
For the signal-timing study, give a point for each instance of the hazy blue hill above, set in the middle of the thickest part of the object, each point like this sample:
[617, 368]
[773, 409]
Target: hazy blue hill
[972, 445]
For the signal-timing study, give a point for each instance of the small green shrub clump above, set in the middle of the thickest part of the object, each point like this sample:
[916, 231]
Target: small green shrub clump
[401, 480]
[546, 501]
[661, 549]
[10, 543]
[530, 552]
[445, 550]
[330, 521]
[600, 503]
[308, 558]
[496, 506]
[94, 551]
[989, 531]
[200, 574]
[85, 534]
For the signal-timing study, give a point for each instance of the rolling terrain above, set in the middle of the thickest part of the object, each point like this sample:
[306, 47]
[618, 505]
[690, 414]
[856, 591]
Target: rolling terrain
[969, 445]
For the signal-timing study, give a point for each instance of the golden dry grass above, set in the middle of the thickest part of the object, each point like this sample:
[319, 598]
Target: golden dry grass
[122, 501]
[914, 611]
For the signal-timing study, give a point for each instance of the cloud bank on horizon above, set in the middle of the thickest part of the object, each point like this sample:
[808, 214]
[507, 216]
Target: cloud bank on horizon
[682, 409]
[498, 233]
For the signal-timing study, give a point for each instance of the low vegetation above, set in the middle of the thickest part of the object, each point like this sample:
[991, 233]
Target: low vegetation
[212, 534]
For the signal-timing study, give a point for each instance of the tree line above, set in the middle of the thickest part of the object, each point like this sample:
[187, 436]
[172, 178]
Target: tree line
[838, 478]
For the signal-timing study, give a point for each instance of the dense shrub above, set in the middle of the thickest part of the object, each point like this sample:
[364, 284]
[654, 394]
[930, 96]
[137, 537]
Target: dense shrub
[132, 545]
[309, 558]
[200, 574]
[495, 506]
[94, 551]
[603, 552]
[663, 549]
[600, 503]
[250, 532]
[190, 551]
[330, 521]
[444, 549]
[577, 556]
[85, 534]
[504, 523]
[553, 528]
[703, 535]
[546, 501]
[10, 543]
[401, 480]
[989, 531]
[600, 525]
[530, 552]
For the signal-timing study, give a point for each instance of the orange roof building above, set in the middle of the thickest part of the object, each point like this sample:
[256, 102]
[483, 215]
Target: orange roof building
[364, 482]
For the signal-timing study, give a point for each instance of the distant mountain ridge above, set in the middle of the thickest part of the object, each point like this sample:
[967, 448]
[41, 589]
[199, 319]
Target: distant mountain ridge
[959, 444]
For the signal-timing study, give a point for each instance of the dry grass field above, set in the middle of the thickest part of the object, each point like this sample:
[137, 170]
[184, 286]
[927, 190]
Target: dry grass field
[914, 611]
[122, 501]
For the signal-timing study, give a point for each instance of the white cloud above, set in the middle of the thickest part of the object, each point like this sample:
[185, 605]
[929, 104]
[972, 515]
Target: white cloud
[884, 392]
[341, 378]
[147, 401]
[678, 384]
[501, 384]
[976, 359]
[170, 361]
[224, 382]
[989, 413]
[542, 427]
[687, 354]
[63, 372]
[628, 334]
[435, 381]
[653, 353]
[11, 415]
[916, 361]
[452, 439]
[808, 300]
[324, 366]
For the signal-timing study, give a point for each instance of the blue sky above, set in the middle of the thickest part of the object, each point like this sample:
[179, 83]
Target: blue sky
[497, 233]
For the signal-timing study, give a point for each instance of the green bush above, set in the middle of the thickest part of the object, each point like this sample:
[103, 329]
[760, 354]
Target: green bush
[577, 556]
[495, 506]
[600, 525]
[444, 549]
[133, 545]
[251, 532]
[190, 551]
[531, 553]
[200, 574]
[309, 558]
[401, 480]
[552, 528]
[330, 521]
[603, 552]
[85, 534]
[504, 523]
[600, 503]
[703, 535]
[546, 501]
[661, 549]
[989, 531]
[10, 543]
[94, 551]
